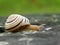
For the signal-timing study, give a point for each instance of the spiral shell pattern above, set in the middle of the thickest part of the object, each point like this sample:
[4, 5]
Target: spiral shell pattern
[15, 21]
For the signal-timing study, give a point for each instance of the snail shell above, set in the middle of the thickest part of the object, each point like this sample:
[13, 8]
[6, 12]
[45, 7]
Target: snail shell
[15, 21]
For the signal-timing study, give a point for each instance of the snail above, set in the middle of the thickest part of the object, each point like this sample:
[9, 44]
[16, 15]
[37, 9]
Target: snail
[17, 23]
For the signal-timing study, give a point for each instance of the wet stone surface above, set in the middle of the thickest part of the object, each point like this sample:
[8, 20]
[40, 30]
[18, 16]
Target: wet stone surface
[48, 35]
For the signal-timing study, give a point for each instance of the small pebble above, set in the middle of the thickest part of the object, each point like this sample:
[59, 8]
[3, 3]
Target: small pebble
[22, 39]
[43, 31]
[3, 43]
[48, 28]
[2, 34]
[36, 20]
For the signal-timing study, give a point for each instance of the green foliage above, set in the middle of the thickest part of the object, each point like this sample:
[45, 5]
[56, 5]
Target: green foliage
[29, 6]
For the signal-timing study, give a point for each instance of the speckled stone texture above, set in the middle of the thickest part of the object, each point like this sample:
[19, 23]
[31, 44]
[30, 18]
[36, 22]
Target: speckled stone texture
[48, 35]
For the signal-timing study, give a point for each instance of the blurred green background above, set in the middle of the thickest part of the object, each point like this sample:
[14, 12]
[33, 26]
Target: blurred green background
[8, 7]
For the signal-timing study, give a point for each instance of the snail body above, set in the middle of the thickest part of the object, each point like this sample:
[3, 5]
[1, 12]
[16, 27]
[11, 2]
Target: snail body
[16, 23]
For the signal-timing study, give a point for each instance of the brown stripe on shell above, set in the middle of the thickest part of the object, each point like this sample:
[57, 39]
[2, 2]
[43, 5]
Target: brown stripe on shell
[20, 28]
[16, 25]
[11, 21]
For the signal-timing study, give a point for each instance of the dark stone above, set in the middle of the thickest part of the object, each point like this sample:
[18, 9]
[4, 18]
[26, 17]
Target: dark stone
[2, 29]
[46, 36]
